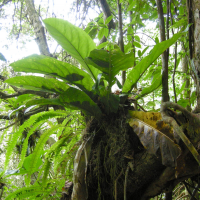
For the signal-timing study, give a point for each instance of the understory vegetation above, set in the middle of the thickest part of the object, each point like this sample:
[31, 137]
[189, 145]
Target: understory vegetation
[112, 112]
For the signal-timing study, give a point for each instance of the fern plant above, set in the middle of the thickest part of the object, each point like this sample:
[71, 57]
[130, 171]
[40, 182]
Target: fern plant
[41, 161]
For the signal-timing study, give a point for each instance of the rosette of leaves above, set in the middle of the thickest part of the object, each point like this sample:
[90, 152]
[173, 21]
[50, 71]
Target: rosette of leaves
[87, 88]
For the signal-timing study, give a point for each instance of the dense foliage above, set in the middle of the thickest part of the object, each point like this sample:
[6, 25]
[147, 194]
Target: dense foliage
[60, 107]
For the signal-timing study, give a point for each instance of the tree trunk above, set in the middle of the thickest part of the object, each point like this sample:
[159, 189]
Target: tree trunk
[184, 63]
[38, 28]
[102, 166]
[165, 95]
[121, 40]
[195, 5]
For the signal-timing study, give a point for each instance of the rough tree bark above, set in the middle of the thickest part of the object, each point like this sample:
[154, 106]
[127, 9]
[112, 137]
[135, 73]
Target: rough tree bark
[184, 64]
[195, 6]
[38, 28]
[107, 13]
[102, 166]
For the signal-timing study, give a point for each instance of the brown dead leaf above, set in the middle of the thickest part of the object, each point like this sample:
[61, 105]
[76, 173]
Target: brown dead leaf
[156, 142]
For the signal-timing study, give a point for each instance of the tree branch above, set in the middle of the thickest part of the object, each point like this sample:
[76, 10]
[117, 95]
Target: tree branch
[20, 92]
[178, 131]
[1, 129]
[28, 114]
[107, 13]
[4, 3]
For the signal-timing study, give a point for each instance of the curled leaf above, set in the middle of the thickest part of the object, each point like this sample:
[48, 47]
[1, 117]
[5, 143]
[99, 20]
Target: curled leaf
[155, 142]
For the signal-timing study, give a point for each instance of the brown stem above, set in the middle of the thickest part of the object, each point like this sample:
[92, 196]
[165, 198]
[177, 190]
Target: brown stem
[175, 60]
[20, 92]
[167, 26]
[125, 182]
[1, 129]
[173, 76]
[165, 95]
[107, 13]
[40, 109]
[121, 42]
[191, 28]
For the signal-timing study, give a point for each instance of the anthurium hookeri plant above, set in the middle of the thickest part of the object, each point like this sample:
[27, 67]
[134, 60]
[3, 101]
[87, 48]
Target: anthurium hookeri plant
[84, 89]
[88, 88]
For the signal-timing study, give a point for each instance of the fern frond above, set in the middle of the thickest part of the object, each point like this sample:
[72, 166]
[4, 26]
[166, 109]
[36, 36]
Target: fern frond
[69, 149]
[46, 172]
[22, 193]
[25, 143]
[56, 146]
[42, 171]
[37, 151]
[4, 132]
[30, 122]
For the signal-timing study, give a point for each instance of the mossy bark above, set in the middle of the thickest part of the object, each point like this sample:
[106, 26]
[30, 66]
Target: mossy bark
[117, 165]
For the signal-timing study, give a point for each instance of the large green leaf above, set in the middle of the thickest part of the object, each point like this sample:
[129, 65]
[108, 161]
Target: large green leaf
[77, 99]
[50, 66]
[136, 73]
[38, 83]
[74, 40]
[157, 81]
[110, 63]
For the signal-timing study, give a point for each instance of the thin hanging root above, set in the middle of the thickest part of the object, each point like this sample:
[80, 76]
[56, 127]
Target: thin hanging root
[116, 184]
[125, 182]
[177, 128]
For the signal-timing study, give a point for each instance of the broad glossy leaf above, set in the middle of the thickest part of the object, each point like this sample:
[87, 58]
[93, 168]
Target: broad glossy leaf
[50, 66]
[29, 109]
[102, 45]
[74, 40]
[155, 142]
[181, 89]
[183, 102]
[136, 73]
[111, 62]
[77, 99]
[156, 83]
[138, 45]
[9, 172]
[38, 83]
[108, 19]
[22, 99]
[16, 111]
